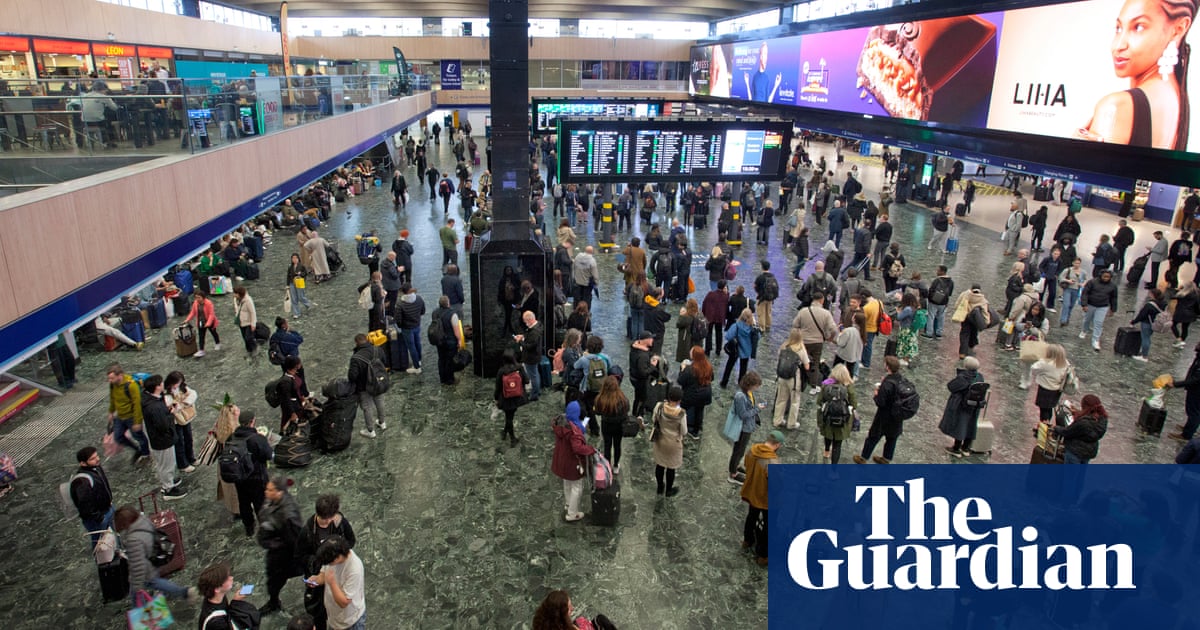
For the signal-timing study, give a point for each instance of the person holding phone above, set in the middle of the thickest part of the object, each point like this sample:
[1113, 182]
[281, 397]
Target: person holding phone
[325, 524]
[342, 577]
[218, 611]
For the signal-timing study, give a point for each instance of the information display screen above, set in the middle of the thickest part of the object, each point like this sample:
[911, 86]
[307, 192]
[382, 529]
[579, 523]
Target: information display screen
[1110, 71]
[546, 112]
[599, 151]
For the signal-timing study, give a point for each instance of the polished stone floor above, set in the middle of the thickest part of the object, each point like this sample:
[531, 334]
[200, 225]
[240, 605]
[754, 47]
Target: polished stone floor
[456, 528]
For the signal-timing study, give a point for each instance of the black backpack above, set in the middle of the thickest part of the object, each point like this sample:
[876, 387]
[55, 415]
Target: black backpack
[435, 333]
[770, 288]
[164, 549]
[274, 352]
[977, 394]
[699, 330]
[908, 401]
[939, 292]
[377, 375]
[234, 463]
[789, 362]
[836, 409]
[271, 393]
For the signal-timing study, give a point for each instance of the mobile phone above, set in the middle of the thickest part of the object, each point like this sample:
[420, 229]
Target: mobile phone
[310, 582]
[246, 590]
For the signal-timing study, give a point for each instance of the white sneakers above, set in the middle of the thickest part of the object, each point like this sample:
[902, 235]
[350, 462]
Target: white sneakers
[367, 434]
[1096, 346]
[200, 353]
[189, 469]
[1138, 357]
[217, 347]
[382, 426]
[571, 518]
[1083, 334]
[814, 391]
[413, 370]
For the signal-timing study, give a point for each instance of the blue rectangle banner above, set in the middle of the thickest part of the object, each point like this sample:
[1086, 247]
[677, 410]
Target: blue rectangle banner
[977, 546]
[451, 74]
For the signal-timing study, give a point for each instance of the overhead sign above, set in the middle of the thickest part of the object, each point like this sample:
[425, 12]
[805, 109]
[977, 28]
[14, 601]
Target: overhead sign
[451, 74]
[546, 112]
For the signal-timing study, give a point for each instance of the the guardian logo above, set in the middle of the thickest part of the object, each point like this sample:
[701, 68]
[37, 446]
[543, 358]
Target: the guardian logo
[948, 547]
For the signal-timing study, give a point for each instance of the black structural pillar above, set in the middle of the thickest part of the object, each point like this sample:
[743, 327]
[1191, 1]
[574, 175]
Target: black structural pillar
[511, 256]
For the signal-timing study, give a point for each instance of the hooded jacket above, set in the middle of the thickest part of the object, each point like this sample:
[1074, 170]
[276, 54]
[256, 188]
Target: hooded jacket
[279, 526]
[754, 491]
[1082, 437]
[570, 447]
[409, 310]
[124, 399]
[159, 423]
[138, 543]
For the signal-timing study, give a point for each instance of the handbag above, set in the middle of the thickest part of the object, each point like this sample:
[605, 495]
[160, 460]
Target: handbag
[630, 427]
[1071, 382]
[298, 282]
[1033, 350]
[731, 348]
[1008, 327]
[111, 447]
[149, 613]
[732, 430]
[209, 450]
[185, 415]
[287, 301]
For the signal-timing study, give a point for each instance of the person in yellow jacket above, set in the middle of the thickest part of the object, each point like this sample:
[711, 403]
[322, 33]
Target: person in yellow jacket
[872, 308]
[754, 492]
[125, 412]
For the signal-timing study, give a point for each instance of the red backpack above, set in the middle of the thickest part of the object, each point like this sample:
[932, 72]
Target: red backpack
[885, 324]
[511, 385]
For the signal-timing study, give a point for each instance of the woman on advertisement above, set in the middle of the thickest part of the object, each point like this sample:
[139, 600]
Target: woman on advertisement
[1149, 49]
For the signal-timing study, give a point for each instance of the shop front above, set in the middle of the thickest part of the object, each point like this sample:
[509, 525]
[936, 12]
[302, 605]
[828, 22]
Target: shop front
[116, 63]
[62, 59]
[15, 62]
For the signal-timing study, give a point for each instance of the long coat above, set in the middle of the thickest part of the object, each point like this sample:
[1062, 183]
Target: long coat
[316, 250]
[668, 444]
[958, 420]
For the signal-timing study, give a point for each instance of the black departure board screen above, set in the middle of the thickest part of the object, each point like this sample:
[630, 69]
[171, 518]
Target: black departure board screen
[599, 150]
[547, 111]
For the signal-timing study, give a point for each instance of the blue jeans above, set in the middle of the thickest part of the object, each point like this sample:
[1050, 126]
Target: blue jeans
[1072, 458]
[712, 285]
[120, 426]
[636, 316]
[535, 380]
[163, 585]
[1070, 299]
[99, 525]
[361, 624]
[937, 318]
[571, 214]
[868, 349]
[298, 298]
[412, 344]
[1147, 330]
[1094, 318]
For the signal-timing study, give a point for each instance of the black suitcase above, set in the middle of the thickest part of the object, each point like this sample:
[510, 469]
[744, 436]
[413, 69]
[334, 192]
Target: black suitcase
[1129, 341]
[295, 449]
[606, 504]
[1151, 420]
[960, 210]
[336, 423]
[252, 271]
[1136, 269]
[700, 221]
[1041, 193]
[183, 303]
[114, 579]
[889, 350]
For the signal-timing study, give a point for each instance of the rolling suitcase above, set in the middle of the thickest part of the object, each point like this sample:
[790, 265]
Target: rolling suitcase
[1151, 420]
[134, 330]
[606, 505]
[185, 340]
[168, 522]
[960, 210]
[157, 313]
[182, 304]
[1128, 342]
[985, 438]
[1136, 269]
[114, 579]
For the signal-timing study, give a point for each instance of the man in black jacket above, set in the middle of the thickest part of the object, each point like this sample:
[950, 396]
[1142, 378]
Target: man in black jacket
[389, 271]
[279, 526]
[641, 366]
[1122, 240]
[327, 522]
[452, 288]
[531, 352]
[655, 321]
[359, 373]
[883, 238]
[410, 308]
[250, 490]
[160, 431]
[404, 254]
[887, 423]
[91, 493]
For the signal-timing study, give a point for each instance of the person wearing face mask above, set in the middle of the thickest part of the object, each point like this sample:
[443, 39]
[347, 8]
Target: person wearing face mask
[181, 402]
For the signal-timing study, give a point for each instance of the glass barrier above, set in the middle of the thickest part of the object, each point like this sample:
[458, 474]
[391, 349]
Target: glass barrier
[97, 117]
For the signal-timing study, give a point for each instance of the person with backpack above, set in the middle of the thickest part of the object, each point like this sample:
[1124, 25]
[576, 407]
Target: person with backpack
[284, 342]
[942, 222]
[836, 403]
[445, 191]
[445, 334]
[279, 527]
[243, 463]
[745, 415]
[893, 267]
[125, 412]
[968, 396]
[766, 286]
[91, 493]
[370, 378]
[595, 366]
[509, 394]
[1104, 256]
[138, 538]
[896, 400]
[571, 451]
[691, 327]
[793, 363]
[218, 611]
[940, 291]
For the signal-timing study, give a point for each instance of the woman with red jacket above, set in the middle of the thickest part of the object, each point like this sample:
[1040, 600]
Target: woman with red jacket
[570, 454]
[206, 320]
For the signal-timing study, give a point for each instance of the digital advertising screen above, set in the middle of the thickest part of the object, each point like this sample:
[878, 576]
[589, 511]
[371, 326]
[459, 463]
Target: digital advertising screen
[654, 151]
[547, 112]
[1113, 71]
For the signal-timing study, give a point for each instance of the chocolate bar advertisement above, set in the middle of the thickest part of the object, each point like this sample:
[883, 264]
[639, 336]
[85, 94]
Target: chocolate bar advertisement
[1104, 70]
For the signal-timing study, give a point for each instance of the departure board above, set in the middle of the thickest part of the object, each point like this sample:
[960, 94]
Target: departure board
[547, 111]
[598, 150]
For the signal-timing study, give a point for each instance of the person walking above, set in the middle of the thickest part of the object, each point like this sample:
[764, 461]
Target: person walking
[1155, 303]
[1071, 280]
[137, 534]
[612, 407]
[91, 493]
[205, 317]
[125, 412]
[892, 405]
[509, 393]
[448, 236]
[279, 527]
[1081, 438]
[360, 376]
[737, 338]
[754, 493]
[1037, 225]
[696, 379]
[247, 316]
[960, 418]
[1098, 298]
[570, 452]
[449, 339]
[836, 404]
[1158, 253]
[974, 313]
[817, 327]
[250, 490]
[745, 412]
[792, 364]
[160, 433]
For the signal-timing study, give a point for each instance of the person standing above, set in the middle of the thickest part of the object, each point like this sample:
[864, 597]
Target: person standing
[389, 272]
[125, 412]
[612, 407]
[689, 323]
[973, 312]
[570, 451]
[1158, 253]
[1037, 226]
[1122, 241]
[509, 394]
[1012, 227]
[91, 493]
[792, 364]
[1180, 252]
[872, 309]
[746, 410]
[835, 410]
[960, 419]
[206, 320]
[585, 274]
[325, 524]
[181, 402]
[1081, 438]
[888, 422]
[297, 276]
[284, 342]
[817, 327]
[940, 291]
[766, 287]
[738, 338]
[942, 221]
[404, 253]
[1187, 308]
[449, 238]
[214, 584]
[754, 493]
[410, 308]
[160, 432]
[376, 313]
[642, 367]
[893, 267]
[531, 352]
[359, 375]
[343, 578]
[1098, 298]
[666, 439]
[137, 536]
[247, 316]
[714, 307]
[452, 288]
[293, 391]
[696, 382]
[766, 219]
[400, 188]
[279, 527]
[317, 248]
[451, 339]
[250, 490]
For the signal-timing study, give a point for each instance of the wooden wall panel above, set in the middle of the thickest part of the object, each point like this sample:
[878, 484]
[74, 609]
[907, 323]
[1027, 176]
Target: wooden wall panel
[8, 298]
[44, 256]
[428, 48]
